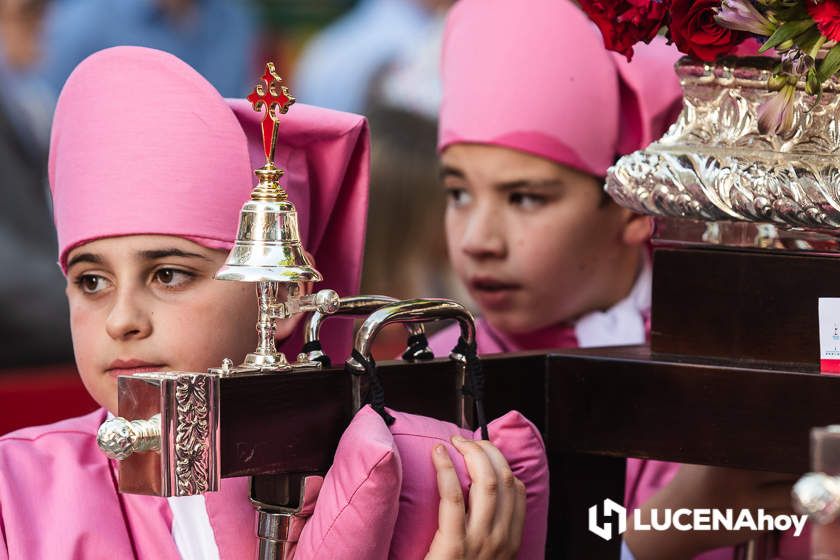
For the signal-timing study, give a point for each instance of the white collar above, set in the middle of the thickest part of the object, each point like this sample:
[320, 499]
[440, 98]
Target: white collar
[625, 322]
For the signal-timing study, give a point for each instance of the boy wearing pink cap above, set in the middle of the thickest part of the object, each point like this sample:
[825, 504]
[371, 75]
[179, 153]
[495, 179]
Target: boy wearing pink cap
[528, 127]
[534, 111]
[148, 167]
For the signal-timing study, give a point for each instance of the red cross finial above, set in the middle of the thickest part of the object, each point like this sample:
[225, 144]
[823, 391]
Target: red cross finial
[275, 97]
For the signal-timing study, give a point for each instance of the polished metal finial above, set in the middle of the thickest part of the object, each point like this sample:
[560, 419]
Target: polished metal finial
[817, 495]
[119, 438]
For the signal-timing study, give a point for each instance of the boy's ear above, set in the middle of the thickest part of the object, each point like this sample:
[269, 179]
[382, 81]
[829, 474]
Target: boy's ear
[637, 229]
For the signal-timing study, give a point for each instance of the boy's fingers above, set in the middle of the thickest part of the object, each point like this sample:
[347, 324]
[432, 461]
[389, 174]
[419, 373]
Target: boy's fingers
[517, 523]
[484, 488]
[452, 512]
[507, 483]
[449, 538]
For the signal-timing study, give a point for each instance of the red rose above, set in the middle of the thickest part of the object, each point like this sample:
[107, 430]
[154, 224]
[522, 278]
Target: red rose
[623, 23]
[696, 33]
[827, 15]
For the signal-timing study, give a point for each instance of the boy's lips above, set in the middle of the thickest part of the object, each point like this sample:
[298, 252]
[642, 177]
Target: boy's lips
[492, 293]
[131, 367]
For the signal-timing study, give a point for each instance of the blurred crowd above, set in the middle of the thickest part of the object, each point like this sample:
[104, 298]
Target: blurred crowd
[374, 57]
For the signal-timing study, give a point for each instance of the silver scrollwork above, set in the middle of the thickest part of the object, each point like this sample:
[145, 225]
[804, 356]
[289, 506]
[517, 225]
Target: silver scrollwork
[714, 164]
[192, 434]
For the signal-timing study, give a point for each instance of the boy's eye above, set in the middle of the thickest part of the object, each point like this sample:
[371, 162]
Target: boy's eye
[526, 201]
[171, 277]
[458, 197]
[91, 283]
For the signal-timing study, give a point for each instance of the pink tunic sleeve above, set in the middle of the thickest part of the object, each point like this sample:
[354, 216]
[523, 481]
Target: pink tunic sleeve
[58, 499]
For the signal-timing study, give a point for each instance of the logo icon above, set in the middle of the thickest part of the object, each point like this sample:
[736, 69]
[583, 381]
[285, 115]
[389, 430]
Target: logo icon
[611, 509]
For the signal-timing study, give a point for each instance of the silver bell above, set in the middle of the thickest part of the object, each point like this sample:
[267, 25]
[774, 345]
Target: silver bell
[268, 247]
[268, 250]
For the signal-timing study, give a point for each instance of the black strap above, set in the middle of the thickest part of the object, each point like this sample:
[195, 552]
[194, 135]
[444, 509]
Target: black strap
[474, 383]
[418, 349]
[376, 394]
[313, 346]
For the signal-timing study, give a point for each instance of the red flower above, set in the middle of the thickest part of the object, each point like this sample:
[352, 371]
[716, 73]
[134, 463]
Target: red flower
[623, 23]
[827, 15]
[696, 33]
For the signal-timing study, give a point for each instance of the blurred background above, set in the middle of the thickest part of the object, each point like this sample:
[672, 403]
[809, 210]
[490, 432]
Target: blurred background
[374, 57]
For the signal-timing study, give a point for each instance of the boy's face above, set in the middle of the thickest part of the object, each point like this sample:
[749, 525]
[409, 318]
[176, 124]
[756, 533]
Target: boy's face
[150, 303]
[535, 242]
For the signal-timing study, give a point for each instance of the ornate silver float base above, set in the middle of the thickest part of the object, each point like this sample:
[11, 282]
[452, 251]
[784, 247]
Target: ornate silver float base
[714, 164]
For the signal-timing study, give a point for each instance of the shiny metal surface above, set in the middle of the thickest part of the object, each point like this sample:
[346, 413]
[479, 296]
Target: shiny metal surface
[269, 524]
[268, 246]
[408, 311]
[268, 249]
[671, 232]
[279, 528]
[714, 164]
[353, 306]
[167, 435]
[817, 495]
[323, 302]
[195, 435]
[266, 357]
[119, 438]
[413, 311]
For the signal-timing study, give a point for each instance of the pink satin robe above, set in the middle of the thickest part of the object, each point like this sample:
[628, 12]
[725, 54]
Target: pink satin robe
[58, 500]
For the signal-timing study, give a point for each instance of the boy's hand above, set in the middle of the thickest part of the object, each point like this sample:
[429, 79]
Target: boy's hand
[492, 529]
[697, 486]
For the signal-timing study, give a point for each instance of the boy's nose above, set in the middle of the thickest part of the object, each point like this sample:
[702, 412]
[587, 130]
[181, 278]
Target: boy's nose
[483, 238]
[128, 319]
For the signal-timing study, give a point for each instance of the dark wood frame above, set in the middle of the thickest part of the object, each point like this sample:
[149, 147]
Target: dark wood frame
[595, 407]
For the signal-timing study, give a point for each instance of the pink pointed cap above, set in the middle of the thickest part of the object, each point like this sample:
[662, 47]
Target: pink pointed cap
[143, 144]
[534, 76]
